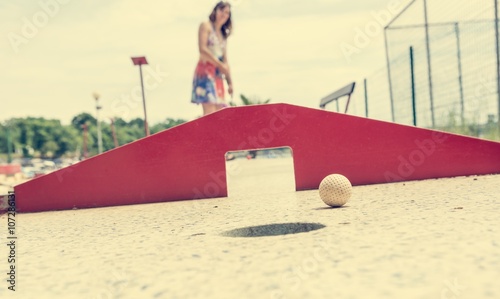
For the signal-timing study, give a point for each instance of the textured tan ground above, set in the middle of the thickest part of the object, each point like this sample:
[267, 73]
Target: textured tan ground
[425, 239]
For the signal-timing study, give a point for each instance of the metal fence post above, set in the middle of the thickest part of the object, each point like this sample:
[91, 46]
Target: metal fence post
[497, 46]
[412, 76]
[460, 83]
[429, 69]
[366, 97]
[389, 74]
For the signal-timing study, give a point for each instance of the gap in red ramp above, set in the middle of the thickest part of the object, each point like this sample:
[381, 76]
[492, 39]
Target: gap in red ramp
[260, 171]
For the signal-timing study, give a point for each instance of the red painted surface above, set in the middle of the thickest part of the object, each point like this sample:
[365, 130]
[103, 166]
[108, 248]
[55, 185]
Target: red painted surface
[187, 161]
[10, 169]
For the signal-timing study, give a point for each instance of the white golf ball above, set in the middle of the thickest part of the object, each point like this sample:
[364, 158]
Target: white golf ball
[335, 190]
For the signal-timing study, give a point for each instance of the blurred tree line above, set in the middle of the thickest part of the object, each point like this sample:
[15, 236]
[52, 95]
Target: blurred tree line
[48, 138]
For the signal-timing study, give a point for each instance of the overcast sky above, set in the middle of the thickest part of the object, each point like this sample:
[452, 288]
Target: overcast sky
[56, 53]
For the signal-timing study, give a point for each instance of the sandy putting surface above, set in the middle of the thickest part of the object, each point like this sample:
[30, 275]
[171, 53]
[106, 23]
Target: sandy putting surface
[423, 239]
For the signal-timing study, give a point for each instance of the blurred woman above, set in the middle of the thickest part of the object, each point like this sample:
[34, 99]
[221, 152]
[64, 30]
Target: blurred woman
[213, 66]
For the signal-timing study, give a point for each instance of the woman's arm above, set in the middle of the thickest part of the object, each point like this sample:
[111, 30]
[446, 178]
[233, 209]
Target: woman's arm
[228, 73]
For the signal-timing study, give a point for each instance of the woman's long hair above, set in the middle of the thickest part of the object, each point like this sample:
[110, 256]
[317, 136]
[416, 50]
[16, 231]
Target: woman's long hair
[228, 26]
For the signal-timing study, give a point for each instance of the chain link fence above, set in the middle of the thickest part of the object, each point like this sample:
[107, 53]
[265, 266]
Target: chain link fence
[455, 62]
[455, 67]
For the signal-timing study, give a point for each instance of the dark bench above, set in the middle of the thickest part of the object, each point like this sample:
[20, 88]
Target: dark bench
[334, 96]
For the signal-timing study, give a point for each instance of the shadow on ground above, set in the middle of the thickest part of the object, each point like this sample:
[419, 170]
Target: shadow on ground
[273, 230]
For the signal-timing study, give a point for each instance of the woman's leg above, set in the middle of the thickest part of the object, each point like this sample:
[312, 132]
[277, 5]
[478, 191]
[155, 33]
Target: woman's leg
[220, 106]
[209, 108]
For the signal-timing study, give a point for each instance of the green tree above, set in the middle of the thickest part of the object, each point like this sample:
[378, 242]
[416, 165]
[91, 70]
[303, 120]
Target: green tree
[48, 138]
[83, 118]
[37, 136]
[49, 148]
[3, 138]
[254, 100]
[68, 140]
[119, 122]
[7, 144]
[167, 124]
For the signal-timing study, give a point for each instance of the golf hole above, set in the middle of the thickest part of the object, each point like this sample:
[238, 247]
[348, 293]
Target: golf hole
[261, 171]
[273, 230]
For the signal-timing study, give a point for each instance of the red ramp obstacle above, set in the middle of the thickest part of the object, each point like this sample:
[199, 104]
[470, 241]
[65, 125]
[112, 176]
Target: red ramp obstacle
[188, 161]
